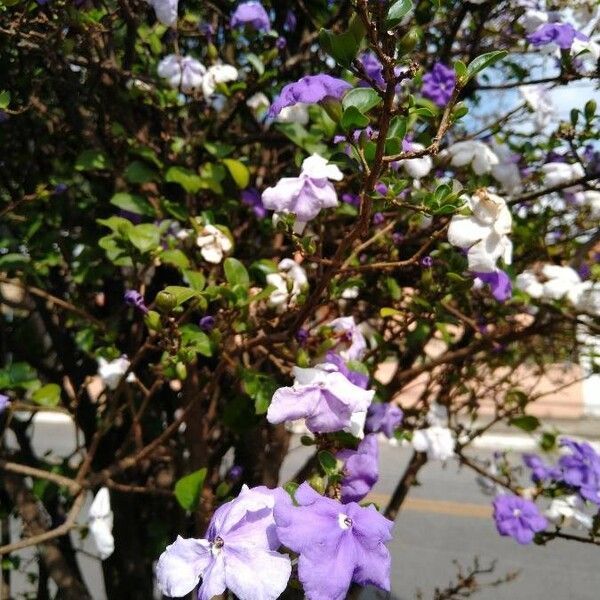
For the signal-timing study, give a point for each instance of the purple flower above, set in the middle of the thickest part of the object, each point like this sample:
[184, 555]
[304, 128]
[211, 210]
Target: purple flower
[251, 197]
[310, 89]
[251, 14]
[438, 85]
[361, 469]
[60, 188]
[352, 199]
[238, 553]
[4, 403]
[397, 237]
[427, 262]
[136, 300]
[381, 188]
[302, 336]
[290, 21]
[207, 323]
[372, 67]
[207, 30]
[518, 518]
[384, 417]
[584, 271]
[280, 43]
[540, 471]
[581, 469]
[561, 34]
[323, 396]
[235, 473]
[359, 379]
[499, 283]
[352, 335]
[337, 543]
[378, 219]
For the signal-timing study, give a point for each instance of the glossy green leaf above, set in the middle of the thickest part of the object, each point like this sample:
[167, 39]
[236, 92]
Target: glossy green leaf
[364, 99]
[188, 489]
[235, 272]
[238, 171]
[398, 11]
[132, 203]
[144, 237]
[47, 395]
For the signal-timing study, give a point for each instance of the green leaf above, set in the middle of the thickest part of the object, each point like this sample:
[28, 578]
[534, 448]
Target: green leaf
[525, 422]
[18, 375]
[144, 237]
[397, 127]
[194, 338]
[484, 61]
[353, 119]
[461, 71]
[219, 150]
[92, 160]
[176, 258]
[238, 171]
[139, 172]
[328, 462]
[191, 182]
[47, 395]
[182, 294]
[386, 311]
[364, 99]
[398, 11]
[343, 47]
[4, 99]
[132, 203]
[255, 61]
[196, 279]
[188, 488]
[236, 273]
[12, 260]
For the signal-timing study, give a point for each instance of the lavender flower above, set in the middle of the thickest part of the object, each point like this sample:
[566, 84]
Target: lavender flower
[439, 84]
[384, 417]
[251, 14]
[378, 219]
[561, 34]
[581, 469]
[207, 323]
[499, 282]
[60, 188]
[136, 300]
[518, 518]
[427, 262]
[310, 89]
[280, 43]
[235, 473]
[540, 471]
[361, 469]
[165, 10]
[337, 544]
[353, 345]
[352, 199]
[4, 403]
[302, 336]
[359, 379]
[323, 396]
[251, 197]
[238, 553]
[290, 21]
[381, 188]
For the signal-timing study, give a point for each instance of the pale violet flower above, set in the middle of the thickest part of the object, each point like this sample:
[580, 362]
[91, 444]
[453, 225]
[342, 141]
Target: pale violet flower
[165, 10]
[101, 523]
[325, 398]
[306, 195]
[474, 153]
[353, 344]
[539, 101]
[483, 234]
[417, 168]
[559, 173]
[289, 283]
[111, 372]
[437, 442]
[238, 553]
[567, 512]
[182, 72]
[217, 74]
[297, 113]
[213, 244]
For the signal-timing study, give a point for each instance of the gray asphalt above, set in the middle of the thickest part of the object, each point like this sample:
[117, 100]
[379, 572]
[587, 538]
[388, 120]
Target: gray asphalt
[448, 518]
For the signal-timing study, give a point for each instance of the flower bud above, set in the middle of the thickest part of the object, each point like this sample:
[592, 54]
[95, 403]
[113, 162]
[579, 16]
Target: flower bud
[165, 301]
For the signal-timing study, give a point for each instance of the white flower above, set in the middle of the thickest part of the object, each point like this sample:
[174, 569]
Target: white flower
[259, 104]
[417, 167]
[217, 74]
[560, 281]
[585, 297]
[437, 415]
[101, 523]
[529, 283]
[297, 113]
[213, 244]
[506, 172]
[317, 167]
[182, 72]
[591, 199]
[589, 47]
[483, 232]
[532, 19]
[111, 372]
[438, 442]
[559, 173]
[350, 293]
[165, 10]
[566, 512]
[538, 99]
[475, 153]
[289, 283]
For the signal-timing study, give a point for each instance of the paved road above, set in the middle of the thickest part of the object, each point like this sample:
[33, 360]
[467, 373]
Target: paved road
[448, 518]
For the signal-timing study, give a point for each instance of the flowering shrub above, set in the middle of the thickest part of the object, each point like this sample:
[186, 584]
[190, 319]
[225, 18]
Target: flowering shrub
[222, 221]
